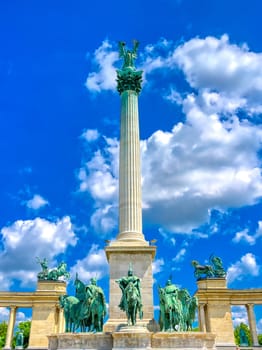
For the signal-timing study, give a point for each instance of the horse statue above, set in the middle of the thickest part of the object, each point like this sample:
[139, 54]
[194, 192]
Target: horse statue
[191, 315]
[72, 309]
[60, 271]
[133, 305]
[202, 270]
[185, 298]
[218, 269]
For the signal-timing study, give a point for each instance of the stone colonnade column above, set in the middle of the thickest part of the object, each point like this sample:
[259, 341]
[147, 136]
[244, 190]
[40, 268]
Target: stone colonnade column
[202, 318]
[252, 323]
[10, 328]
[61, 321]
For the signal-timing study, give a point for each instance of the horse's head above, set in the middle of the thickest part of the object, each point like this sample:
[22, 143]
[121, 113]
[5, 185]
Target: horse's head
[194, 263]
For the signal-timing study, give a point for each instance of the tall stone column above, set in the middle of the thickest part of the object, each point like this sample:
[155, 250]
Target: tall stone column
[10, 328]
[130, 245]
[252, 323]
[130, 208]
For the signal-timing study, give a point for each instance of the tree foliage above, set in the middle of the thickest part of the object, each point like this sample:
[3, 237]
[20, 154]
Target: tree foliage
[3, 331]
[259, 339]
[242, 327]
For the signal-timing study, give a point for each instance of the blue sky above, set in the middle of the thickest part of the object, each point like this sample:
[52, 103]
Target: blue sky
[200, 128]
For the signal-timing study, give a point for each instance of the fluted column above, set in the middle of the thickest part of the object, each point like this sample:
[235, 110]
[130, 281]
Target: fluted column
[10, 328]
[130, 200]
[130, 208]
[252, 323]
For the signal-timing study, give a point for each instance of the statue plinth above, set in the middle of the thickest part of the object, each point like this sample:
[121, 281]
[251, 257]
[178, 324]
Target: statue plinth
[141, 258]
[210, 283]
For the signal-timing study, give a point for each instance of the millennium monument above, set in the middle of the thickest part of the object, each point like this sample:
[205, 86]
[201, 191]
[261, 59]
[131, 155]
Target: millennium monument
[130, 252]
[64, 322]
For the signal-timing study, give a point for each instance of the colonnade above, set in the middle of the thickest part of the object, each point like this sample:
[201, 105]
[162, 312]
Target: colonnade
[204, 325]
[47, 315]
[59, 324]
[214, 309]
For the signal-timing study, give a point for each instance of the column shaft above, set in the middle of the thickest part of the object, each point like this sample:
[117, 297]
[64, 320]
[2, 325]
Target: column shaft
[252, 323]
[202, 318]
[10, 328]
[61, 321]
[130, 202]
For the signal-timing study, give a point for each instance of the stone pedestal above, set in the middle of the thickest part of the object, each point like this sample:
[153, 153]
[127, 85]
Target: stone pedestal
[45, 317]
[215, 310]
[135, 337]
[119, 258]
[97, 341]
[183, 340]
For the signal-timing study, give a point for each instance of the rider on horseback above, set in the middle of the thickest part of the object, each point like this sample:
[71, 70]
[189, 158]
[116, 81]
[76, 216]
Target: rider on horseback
[92, 290]
[171, 291]
[124, 282]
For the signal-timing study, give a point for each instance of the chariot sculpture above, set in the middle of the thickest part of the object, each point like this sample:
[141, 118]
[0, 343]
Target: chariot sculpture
[212, 270]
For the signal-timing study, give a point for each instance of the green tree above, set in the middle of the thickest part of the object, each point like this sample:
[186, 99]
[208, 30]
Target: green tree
[23, 327]
[242, 327]
[259, 337]
[3, 331]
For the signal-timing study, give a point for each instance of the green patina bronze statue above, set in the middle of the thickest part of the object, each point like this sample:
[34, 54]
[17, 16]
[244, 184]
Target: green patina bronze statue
[86, 310]
[213, 270]
[131, 301]
[52, 274]
[128, 78]
[177, 308]
[19, 344]
[128, 55]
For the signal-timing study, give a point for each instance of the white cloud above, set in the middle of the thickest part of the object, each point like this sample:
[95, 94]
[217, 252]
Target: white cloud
[247, 266]
[200, 165]
[157, 266]
[99, 177]
[259, 326]
[239, 315]
[4, 314]
[105, 77]
[36, 202]
[218, 65]
[93, 265]
[248, 238]
[180, 256]
[90, 135]
[24, 240]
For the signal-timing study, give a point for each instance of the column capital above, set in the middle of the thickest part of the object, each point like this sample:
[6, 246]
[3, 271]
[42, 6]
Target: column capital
[13, 306]
[129, 79]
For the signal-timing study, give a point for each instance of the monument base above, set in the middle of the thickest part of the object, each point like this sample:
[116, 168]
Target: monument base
[70, 341]
[133, 338]
[183, 340]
